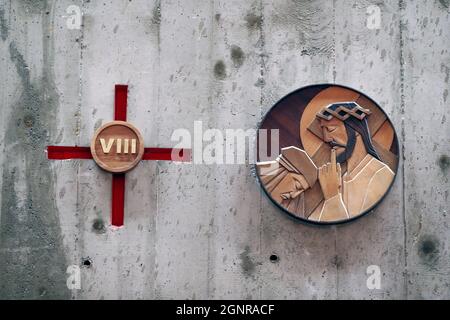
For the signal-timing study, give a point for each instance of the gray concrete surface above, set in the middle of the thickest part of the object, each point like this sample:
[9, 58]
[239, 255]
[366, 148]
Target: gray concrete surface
[207, 231]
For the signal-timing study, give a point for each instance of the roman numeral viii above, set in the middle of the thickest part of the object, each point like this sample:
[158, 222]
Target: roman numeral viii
[122, 145]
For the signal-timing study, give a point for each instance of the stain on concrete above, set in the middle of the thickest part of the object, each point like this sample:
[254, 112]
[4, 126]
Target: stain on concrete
[260, 83]
[446, 70]
[444, 163]
[42, 292]
[31, 249]
[3, 25]
[28, 7]
[311, 51]
[62, 192]
[237, 55]
[133, 183]
[445, 3]
[337, 262]
[220, 70]
[310, 24]
[98, 226]
[253, 21]
[346, 43]
[98, 124]
[156, 13]
[60, 136]
[428, 250]
[247, 265]
[154, 25]
[29, 120]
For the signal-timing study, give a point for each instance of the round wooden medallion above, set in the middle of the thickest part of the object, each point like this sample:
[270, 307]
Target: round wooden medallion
[117, 146]
[337, 155]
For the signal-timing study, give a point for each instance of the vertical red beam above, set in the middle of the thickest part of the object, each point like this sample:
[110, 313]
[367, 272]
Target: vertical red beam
[120, 102]
[118, 199]
[118, 181]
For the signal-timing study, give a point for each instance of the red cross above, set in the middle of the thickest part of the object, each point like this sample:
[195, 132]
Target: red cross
[118, 181]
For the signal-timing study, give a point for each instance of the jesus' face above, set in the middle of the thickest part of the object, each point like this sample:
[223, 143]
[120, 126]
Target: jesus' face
[335, 134]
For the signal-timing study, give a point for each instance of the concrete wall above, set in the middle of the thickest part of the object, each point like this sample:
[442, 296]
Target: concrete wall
[207, 231]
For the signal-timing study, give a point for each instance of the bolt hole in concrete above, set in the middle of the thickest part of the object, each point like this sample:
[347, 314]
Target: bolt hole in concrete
[273, 258]
[86, 262]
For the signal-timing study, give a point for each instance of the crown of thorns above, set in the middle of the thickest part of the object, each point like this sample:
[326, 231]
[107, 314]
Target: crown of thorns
[343, 110]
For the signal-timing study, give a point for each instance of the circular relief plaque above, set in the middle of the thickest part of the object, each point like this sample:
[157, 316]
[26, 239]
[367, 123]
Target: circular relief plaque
[337, 155]
[117, 146]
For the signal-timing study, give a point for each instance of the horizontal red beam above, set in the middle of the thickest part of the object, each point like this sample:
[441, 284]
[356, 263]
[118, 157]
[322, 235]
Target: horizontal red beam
[62, 153]
[169, 154]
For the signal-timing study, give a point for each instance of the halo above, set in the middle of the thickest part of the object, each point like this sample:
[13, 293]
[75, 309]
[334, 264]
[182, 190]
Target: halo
[311, 143]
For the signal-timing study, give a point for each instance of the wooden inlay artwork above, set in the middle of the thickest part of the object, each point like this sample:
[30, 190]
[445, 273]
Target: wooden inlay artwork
[336, 161]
